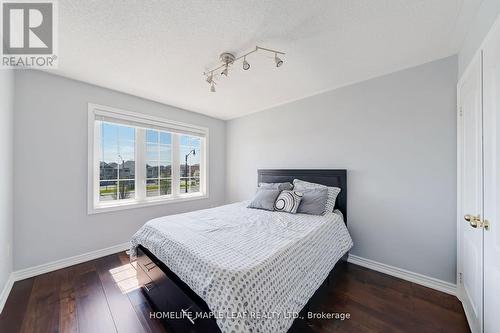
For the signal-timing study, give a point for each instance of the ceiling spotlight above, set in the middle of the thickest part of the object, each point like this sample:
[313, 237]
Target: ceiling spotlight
[277, 60]
[246, 65]
[225, 71]
[210, 77]
[212, 87]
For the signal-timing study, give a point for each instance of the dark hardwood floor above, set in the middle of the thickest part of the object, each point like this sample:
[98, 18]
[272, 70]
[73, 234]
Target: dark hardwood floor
[101, 296]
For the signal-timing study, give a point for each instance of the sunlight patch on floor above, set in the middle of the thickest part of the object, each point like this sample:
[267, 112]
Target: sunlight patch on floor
[125, 278]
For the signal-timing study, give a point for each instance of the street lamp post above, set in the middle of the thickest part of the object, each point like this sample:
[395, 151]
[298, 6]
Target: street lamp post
[186, 169]
[120, 187]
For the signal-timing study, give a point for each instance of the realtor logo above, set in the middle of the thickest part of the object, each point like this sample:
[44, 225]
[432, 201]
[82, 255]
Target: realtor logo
[28, 34]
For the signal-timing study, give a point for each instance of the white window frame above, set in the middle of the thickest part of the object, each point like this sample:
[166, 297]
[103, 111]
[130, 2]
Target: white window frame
[96, 112]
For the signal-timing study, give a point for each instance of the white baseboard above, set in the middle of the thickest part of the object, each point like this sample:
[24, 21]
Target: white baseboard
[426, 281]
[63, 263]
[26, 273]
[55, 265]
[6, 291]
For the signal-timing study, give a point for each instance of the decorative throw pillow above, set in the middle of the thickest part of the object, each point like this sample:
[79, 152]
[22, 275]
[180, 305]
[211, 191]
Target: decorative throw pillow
[288, 201]
[278, 186]
[333, 192]
[264, 199]
[313, 201]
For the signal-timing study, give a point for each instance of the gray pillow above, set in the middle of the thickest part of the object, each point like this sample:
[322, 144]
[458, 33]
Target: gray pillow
[264, 199]
[313, 201]
[333, 192]
[277, 186]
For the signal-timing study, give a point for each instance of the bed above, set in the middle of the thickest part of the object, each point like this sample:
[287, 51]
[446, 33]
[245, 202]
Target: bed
[235, 269]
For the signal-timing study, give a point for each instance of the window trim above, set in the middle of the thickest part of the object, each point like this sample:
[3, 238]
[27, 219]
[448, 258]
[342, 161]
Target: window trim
[97, 110]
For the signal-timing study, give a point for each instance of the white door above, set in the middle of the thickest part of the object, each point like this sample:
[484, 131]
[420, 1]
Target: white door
[491, 114]
[470, 237]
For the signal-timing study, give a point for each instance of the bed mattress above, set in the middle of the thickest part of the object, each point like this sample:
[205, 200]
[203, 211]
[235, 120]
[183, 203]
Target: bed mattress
[255, 269]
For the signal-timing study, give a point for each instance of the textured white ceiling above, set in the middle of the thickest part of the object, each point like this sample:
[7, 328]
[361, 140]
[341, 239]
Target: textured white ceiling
[159, 49]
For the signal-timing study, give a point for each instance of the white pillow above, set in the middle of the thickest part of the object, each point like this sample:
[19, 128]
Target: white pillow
[333, 192]
[279, 186]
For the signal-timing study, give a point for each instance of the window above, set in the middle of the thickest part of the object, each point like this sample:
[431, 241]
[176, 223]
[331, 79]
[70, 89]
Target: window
[190, 171]
[137, 160]
[158, 163]
[117, 162]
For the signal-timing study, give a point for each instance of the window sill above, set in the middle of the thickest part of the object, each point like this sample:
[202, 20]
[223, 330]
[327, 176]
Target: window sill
[148, 203]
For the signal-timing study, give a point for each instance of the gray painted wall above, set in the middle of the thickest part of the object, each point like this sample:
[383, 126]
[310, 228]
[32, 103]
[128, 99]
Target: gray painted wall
[485, 17]
[396, 135]
[50, 144]
[6, 173]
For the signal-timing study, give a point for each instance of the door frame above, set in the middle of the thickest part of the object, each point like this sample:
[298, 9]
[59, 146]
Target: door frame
[478, 53]
[491, 36]
[460, 224]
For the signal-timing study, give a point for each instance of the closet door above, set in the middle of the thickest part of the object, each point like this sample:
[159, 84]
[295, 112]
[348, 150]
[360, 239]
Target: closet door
[470, 203]
[491, 115]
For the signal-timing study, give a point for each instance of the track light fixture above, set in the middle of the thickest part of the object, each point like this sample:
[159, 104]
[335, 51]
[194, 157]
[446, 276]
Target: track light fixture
[277, 60]
[246, 65]
[210, 78]
[228, 59]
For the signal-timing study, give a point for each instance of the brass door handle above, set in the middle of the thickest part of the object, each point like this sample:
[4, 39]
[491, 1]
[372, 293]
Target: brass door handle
[486, 225]
[473, 220]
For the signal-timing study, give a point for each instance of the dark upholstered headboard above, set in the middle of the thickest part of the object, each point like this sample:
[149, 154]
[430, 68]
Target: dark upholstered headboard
[328, 177]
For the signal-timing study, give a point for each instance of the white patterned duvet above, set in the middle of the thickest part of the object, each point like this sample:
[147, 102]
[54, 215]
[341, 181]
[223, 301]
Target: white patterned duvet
[253, 266]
